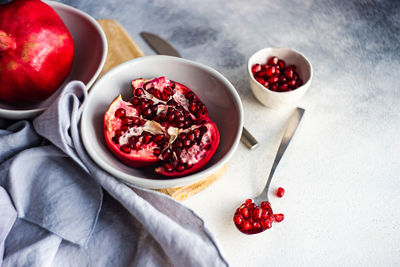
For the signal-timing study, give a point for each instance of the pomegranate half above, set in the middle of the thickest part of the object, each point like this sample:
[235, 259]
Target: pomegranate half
[163, 124]
[36, 51]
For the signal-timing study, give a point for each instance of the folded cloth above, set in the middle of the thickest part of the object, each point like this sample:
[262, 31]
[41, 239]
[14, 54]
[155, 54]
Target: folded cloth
[58, 208]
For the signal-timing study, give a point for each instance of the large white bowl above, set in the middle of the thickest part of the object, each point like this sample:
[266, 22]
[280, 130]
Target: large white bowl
[89, 57]
[213, 89]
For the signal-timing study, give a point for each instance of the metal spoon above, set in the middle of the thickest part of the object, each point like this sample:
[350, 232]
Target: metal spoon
[293, 122]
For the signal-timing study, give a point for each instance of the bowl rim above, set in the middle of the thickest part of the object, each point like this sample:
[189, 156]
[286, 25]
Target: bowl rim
[30, 113]
[169, 182]
[250, 74]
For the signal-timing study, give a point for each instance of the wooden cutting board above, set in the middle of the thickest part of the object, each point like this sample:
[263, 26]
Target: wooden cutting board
[122, 48]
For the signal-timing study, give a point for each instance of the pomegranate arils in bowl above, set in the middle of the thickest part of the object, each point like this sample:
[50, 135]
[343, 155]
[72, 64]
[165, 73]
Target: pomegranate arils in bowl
[164, 123]
[280, 78]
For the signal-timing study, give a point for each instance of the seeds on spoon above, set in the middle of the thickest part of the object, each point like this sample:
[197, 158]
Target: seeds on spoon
[252, 219]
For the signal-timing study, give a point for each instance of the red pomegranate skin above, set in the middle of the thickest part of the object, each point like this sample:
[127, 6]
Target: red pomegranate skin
[36, 51]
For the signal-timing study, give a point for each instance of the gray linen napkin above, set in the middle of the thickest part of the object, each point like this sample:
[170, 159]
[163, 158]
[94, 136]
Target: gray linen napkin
[54, 211]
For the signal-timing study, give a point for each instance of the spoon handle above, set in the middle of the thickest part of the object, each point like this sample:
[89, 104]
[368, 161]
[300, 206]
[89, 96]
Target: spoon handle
[292, 124]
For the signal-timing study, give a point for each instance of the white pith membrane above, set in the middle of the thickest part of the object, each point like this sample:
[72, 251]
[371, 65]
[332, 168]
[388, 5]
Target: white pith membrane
[189, 156]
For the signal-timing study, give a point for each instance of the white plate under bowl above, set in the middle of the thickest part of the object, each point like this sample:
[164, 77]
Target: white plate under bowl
[89, 58]
[213, 89]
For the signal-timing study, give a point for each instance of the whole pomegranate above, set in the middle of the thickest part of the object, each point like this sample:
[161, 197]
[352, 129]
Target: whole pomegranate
[36, 51]
[163, 124]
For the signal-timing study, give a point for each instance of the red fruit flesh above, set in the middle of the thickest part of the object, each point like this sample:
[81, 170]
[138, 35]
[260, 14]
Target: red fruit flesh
[164, 123]
[36, 51]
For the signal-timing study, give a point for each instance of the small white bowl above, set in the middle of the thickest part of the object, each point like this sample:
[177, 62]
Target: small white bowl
[89, 58]
[213, 89]
[274, 99]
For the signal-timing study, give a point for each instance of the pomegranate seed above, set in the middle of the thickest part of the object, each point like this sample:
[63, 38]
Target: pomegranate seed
[292, 83]
[168, 167]
[179, 168]
[282, 79]
[179, 118]
[157, 151]
[191, 136]
[238, 219]
[245, 225]
[167, 152]
[163, 116]
[283, 87]
[187, 143]
[281, 64]
[279, 217]
[265, 205]
[138, 146]
[125, 148]
[146, 139]
[256, 226]
[196, 133]
[189, 95]
[167, 91]
[257, 212]
[158, 137]
[147, 112]
[280, 192]
[245, 213]
[144, 105]
[178, 144]
[193, 107]
[273, 61]
[289, 73]
[135, 101]
[260, 80]
[119, 113]
[266, 224]
[182, 136]
[157, 93]
[170, 117]
[255, 68]
[274, 87]
[273, 79]
[138, 92]
[270, 70]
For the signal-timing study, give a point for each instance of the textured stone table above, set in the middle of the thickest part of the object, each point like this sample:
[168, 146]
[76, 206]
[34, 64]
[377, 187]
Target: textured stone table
[341, 171]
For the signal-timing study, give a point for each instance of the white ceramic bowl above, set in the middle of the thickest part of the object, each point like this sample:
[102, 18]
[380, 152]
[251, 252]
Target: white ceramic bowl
[89, 57]
[274, 99]
[213, 89]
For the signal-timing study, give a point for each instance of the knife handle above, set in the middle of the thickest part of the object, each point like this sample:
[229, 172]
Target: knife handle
[248, 139]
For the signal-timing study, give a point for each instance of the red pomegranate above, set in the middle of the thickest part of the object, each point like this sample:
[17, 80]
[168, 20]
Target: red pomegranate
[36, 51]
[163, 124]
